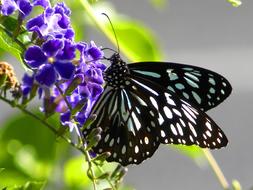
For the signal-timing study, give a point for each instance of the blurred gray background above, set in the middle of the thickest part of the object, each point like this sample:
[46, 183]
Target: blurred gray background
[214, 35]
[211, 34]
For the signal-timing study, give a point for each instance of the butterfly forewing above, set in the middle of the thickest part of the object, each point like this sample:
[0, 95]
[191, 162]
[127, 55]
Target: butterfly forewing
[201, 87]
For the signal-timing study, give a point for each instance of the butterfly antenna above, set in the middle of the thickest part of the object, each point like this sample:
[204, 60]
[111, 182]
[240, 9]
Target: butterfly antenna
[113, 31]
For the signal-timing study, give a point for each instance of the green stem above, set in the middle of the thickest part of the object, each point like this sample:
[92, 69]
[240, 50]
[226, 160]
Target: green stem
[103, 28]
[216, 169]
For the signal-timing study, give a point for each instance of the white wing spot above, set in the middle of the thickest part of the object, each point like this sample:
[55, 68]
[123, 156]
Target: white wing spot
[146, 87]
[169, 100]
[177, 112]
[114, 155]
[136, 121]
[218, 140]
[111, 142]
[220, 134]
[152, 123]
[166, 141]
[153, 101]
[184, 142]
[179, 128]
[191, 139]
[146, 140]
[136, 149]
[205, 137]
[160, 119]
[130, 159]
[100, 150]
[173, 129]
[192, 129]
[107, 138]
[167, 112]
[182, 122]
[209, 126]
[208, 133]
[214, 143]
[123, 150]
[171, 140]
[163, 134]
[151, 113]
[179, 140]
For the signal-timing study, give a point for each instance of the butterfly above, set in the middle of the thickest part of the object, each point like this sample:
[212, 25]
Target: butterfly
[146, 104]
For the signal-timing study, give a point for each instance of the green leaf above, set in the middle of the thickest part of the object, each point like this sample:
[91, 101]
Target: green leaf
[2, 169]
[7, 44]
[30, 185]
[193, 152]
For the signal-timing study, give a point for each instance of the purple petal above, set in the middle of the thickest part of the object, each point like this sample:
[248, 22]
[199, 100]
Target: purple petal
[62, 9]
[25, 7]
[65, 117]
[83, 90]
[35, 24]
[8, 7]
[65, 70]
[95, 90]
[34, 57]
[95, 53]
[68, 52]
[69, 34]
[52, 47]
[46, 75]
[43, 3]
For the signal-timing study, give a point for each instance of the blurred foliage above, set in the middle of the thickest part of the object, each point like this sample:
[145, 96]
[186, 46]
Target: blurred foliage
[159, 3]
[235, 3]
[27, 150]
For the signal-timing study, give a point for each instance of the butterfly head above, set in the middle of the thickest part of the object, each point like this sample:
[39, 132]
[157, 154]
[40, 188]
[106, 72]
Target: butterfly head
[117, 74]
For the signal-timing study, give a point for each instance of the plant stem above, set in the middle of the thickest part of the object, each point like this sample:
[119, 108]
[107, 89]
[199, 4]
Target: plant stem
[103, 28]
[216, 169]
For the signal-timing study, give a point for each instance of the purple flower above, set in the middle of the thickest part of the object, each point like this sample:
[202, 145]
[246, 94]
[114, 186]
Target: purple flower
[54, 22]
[9, 6]
[52, 62]
[27, 84]
[89, 89]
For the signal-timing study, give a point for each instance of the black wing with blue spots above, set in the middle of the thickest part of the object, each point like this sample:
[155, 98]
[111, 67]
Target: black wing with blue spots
[201, 87]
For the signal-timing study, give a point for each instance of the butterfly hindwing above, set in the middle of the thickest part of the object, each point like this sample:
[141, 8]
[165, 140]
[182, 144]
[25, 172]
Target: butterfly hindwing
[179, 122]
[201, 87]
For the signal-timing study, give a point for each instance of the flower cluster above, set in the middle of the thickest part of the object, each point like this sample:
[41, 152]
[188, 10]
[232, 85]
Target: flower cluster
[24, 7]
[66, 74]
